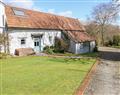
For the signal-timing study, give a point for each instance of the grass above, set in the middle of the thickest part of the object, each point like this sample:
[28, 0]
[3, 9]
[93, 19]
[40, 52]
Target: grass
[113, 46]
[42, 75]
[116, 47]
[92, 54]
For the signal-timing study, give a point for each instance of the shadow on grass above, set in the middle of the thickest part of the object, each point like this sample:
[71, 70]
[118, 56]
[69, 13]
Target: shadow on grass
[71, 60]
[61, 60]
[92, 54]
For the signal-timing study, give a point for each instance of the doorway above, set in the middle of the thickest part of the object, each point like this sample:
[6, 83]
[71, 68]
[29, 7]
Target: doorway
[37, 44]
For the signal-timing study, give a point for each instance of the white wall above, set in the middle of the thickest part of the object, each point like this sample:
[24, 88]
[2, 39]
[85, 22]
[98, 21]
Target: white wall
[92, 46]
[15, 35]
[2, 21]
[72, 47]
[82, 49]
[78, 48]
[2, 13]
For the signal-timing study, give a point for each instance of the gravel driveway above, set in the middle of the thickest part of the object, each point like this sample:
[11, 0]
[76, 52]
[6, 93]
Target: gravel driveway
[106, 80]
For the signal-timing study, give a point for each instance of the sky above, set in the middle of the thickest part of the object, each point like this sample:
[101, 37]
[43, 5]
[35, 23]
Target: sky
[80, 9]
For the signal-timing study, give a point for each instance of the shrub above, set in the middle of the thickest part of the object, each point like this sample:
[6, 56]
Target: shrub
[48, 49]
[116, 40]
[3, 55]
[60, 45]
[95, 49]
[109, 43]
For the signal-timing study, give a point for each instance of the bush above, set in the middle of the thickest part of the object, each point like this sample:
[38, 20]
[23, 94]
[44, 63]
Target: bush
[95, 49]
[3, 55]
[116, 40]
[49, 49]
[60, 45]
[109, 43]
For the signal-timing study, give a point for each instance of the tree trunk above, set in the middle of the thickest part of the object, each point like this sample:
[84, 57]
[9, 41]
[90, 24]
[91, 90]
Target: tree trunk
[102, 35]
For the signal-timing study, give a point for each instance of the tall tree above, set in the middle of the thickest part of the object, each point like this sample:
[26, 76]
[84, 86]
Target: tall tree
[4, 42]
[104, 14]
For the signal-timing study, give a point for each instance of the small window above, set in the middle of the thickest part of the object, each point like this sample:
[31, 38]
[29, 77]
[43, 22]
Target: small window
[23, 41]
[84, 44]
[36, 43]
[19, 12]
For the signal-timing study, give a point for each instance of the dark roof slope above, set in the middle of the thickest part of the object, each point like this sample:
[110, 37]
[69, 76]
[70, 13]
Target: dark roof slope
[40, 20]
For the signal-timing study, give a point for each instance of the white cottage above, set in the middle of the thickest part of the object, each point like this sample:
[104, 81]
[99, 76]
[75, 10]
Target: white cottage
[2, 16]
[33, 29]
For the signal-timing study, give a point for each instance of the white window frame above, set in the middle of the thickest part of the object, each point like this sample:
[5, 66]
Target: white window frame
[19, 12]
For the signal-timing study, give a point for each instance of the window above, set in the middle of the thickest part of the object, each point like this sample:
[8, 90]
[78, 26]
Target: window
[84, 44]
[19, 12]
[23, 41]
[36, 43]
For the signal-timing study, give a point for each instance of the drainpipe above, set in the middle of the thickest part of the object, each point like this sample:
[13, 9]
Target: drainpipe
[89, 47]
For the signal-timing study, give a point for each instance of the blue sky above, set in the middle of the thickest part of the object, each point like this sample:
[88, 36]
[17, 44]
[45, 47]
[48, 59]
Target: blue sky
[80, 9]
[77, 9]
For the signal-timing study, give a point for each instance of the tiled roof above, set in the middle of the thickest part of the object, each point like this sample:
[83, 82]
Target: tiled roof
[79, 36]
[40, 20]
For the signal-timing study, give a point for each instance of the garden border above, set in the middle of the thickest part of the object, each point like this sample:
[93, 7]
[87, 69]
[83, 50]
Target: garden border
[81, 89]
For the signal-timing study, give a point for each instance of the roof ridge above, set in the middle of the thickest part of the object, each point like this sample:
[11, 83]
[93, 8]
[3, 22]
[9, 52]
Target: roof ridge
[41, 12]
[46, 20]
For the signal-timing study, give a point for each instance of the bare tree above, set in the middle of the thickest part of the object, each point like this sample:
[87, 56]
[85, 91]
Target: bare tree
[116, 1]
[104, 14]
[4, 42]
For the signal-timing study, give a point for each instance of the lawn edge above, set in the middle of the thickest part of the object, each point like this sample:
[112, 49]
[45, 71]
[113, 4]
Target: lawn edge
[81, 89]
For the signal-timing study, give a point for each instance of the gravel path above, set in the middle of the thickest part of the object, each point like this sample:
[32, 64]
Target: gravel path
[106, 80]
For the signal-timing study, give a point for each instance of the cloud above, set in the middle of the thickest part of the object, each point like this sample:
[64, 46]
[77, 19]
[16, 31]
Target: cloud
[66, 13]
[51, 11]
[38, 9]
[29, 4]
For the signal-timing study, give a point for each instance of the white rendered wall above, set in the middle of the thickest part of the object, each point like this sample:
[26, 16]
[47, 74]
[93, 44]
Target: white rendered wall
[92, 46]
[89, 48]
[2, 16]
[16, 35]
[78, 49]
[72, 47]
[2, 21]
[81, 49]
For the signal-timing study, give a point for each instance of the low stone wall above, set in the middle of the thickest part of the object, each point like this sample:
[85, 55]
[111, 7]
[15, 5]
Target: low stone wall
[24, 51]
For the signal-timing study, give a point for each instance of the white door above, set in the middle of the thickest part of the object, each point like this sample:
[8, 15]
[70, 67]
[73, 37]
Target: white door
[37, 45]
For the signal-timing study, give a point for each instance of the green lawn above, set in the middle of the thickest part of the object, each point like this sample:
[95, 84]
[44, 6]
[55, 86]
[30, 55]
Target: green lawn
[92, 54]
[42, 75]
[117, 47]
